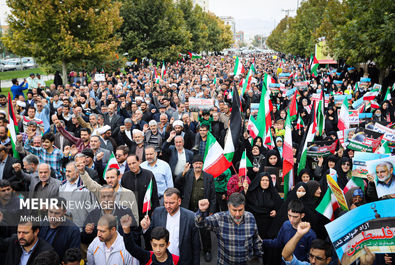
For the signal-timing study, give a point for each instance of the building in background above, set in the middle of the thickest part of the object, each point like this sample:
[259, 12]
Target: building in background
[231, 22]
[239, 36]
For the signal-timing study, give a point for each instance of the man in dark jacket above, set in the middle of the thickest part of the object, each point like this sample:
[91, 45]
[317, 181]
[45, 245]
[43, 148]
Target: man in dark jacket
[137, 180]
[25, 248]
[184, 236]
[176, 155]
[60, 232]
[196, 185]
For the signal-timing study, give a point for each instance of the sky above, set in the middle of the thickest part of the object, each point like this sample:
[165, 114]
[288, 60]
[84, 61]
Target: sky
[253, 16]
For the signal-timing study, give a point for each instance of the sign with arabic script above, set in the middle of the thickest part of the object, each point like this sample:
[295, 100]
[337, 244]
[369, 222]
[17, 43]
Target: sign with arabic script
[370, 225]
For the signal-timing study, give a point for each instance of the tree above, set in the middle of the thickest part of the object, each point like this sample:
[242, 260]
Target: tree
[63, 31]
[153, 28]
[367, 34]
[219, 35]
[277, 38]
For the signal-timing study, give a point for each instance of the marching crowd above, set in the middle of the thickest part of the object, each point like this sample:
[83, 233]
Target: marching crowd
[112, 171]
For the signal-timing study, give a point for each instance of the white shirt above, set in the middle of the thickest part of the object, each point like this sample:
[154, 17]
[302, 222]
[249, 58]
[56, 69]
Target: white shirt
[70, 187]
[129, 135]
[173, 226]
[122, 167]
[180, 163]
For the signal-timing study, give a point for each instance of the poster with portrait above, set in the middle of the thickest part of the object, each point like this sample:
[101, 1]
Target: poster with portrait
[383, 172]
[359, 168]
[345, 136]
[370, 225]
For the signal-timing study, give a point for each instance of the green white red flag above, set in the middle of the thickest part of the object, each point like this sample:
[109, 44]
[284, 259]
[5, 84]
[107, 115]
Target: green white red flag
[215, 162]
[354, 182]
[243, 165]
[239, 68]
[112, 163]
[247, 81]
[344, 119]
[163, 71]
[147, 198]
[233, 134]
[314, 67]
[252, 127]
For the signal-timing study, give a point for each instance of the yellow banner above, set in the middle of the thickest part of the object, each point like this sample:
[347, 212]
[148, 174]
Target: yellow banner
[338, 192]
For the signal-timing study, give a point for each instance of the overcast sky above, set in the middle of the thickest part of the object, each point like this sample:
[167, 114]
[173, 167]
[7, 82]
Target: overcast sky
[253, 16]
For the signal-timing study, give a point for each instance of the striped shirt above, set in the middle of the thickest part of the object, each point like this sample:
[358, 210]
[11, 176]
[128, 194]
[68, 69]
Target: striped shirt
[54, 159]
[237, 243]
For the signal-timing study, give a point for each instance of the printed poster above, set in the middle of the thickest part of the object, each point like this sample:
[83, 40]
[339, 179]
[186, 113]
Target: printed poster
[383, 172]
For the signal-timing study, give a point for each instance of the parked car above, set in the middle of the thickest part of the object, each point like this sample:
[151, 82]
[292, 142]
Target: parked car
[2, 66]
[12, 66]
[28, 62]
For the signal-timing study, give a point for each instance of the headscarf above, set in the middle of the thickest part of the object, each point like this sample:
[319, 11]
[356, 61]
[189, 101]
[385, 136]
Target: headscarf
[262, 201]
[343, 177]
[275, 153]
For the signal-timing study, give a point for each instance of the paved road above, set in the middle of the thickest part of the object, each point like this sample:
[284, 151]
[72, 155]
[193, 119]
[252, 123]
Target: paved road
[8, 83]
[213, 252]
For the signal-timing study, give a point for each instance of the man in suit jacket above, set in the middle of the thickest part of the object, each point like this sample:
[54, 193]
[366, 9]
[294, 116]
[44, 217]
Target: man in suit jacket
[6, 162]
[60, 140]
[184, 236]
[95, 146]
[177, 156]
[112, 119]
[196, 185]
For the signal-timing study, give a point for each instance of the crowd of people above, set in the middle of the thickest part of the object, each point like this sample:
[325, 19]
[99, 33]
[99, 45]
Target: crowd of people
[117, 165]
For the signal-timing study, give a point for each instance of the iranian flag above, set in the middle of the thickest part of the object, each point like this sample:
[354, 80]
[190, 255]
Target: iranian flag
[267, 80]
[314, 67]
[156, 76]
[299, 123]
[371, 95]
[207, 65]
[252, 127]
[328, 205]
[288, 161]
[344, 119]
[232, 136]
[264, 118]
[268, 140]
[112, 163]
[215, 162]
[309, 137]
[215, 81]
[247, 81]
[12, 127]
[239, 68]
[243, 165]
[354, 182]
[147, 198]
[163, 71]
[388, 94]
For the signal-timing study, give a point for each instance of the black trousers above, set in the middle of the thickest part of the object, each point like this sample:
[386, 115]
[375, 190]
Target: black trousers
[205, 236]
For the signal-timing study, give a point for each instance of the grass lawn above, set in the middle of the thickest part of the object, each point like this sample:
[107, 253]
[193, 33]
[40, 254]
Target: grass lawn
[5, 90]
[20, 74]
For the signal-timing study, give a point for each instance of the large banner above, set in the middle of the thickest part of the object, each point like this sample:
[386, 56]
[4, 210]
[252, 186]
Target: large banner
[371, 225]
[321, 148]
[100, 77]
[322, 53]
[383, 172]
[365, 140]
[197, 104]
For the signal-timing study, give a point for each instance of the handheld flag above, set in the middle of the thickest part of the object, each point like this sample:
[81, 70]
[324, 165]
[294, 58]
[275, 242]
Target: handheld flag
[12, 127]
[112, 163]
[147, 198]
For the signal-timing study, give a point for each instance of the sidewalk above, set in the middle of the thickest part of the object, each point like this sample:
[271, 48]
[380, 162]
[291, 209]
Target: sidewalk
[8, 83]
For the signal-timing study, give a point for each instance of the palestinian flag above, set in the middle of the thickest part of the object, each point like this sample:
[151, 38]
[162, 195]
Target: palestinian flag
[293, 108]
[12, 127]
[215, 162]
[354, 182]
[388, 93]
[344, 119]
[299, 123]
[384, 148]
[247, 81]
[314, 67]
[328, 205]
[252, 127]
[194, 56]
[163, 72]
[147, 198]
[243, 165]
[309, 137]
[112, 163]
[239, 68]
[233, 134]
[288, 161]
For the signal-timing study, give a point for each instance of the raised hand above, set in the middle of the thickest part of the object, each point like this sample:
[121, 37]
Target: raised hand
[203, 205]
[145, 223]
[303, 228]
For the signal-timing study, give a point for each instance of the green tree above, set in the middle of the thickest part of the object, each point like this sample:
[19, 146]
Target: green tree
[219, 35]
[153, 28]
[63, 31]
[367, 34]
[277, 38]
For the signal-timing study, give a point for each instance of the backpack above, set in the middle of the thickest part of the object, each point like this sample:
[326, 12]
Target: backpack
[175, 258]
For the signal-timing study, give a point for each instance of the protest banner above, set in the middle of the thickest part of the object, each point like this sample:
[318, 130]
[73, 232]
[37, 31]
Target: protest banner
[338, 192]
[389, 134]
[283, 77]
[365, 140]
[353, 116]
[357, 103]
[340, 98]
[364, 83]
[383, 172]
[377, 86]
[254, 108]
[301, 85]
[345, 136]
[100, 77]
[321, 148]
[274, 88]
[338, 83]
[197, 104]
[359, 168]
[370, 225]
[290, 92]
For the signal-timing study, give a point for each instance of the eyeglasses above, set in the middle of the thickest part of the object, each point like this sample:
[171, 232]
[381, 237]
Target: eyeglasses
[311, 256]
[347, 164]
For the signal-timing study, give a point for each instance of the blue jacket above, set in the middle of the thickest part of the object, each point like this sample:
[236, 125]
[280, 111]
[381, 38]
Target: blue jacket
[285, 234]
[18, 90]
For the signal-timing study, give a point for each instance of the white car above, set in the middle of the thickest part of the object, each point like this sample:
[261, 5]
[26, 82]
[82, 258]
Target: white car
[12, 66]
[28, 62]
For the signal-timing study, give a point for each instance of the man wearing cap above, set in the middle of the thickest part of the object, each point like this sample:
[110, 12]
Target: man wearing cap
[196, 185]
[20, 107]
[183, 130]
[106, 140]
